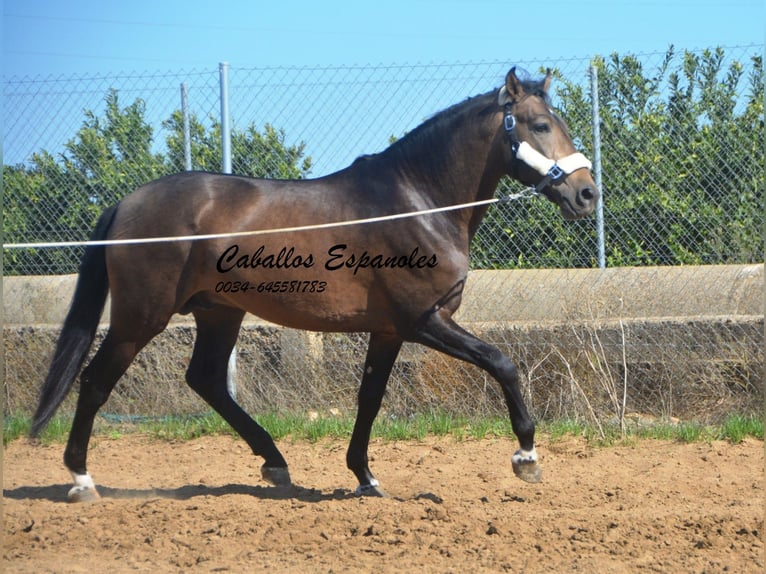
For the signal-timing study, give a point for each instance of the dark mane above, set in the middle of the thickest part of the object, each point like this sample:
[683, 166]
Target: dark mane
[431, 128]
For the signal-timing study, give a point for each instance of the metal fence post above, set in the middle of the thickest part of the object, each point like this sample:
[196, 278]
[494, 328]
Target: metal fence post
[596, 123]
[223, 68]
[187, 128]
[231, 372]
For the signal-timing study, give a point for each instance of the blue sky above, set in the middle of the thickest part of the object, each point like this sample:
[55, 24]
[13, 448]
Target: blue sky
[52, 37]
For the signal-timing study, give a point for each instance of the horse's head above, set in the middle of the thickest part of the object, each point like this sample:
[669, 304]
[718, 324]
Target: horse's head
[543, 154]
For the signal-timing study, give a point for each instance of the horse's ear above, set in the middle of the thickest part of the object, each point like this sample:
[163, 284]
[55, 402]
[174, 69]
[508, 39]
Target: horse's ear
[513, 86]
[547, 80]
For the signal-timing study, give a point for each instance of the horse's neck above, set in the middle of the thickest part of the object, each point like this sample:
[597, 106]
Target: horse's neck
[453, 163]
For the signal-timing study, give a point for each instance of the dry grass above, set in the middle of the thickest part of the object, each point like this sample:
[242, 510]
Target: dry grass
[604, 374]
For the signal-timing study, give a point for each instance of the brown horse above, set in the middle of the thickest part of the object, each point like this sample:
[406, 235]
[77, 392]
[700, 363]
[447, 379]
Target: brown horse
[400, 280]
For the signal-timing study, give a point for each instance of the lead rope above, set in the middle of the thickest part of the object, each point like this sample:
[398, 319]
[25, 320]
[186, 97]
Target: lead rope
[395, 216]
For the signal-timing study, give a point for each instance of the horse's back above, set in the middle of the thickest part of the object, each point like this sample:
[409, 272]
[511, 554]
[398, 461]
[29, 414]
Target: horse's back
[188, 192]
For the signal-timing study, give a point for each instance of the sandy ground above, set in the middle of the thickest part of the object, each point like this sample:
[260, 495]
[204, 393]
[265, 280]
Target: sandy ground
[200, 506]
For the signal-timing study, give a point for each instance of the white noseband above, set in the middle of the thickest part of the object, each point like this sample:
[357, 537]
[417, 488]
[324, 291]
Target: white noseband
[543, 165]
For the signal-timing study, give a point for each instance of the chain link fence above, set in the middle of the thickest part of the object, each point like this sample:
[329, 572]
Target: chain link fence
[680, 133]
[681, 147]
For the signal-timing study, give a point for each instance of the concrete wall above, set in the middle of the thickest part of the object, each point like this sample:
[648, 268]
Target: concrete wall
[524, 296]
[690, 339]
[543, 295]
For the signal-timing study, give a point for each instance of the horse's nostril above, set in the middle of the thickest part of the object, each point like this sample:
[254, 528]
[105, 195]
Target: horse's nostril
[587, 194]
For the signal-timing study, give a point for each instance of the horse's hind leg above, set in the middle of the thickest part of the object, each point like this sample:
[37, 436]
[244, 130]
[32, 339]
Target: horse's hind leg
[381, 354]
[96, 383]
[217, 331]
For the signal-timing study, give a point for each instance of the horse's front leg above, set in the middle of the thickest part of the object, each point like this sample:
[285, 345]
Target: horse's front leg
[438, 331]
[381, 354]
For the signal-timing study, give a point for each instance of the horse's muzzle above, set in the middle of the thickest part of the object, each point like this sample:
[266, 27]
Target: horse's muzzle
[586, 199]
[576, 197]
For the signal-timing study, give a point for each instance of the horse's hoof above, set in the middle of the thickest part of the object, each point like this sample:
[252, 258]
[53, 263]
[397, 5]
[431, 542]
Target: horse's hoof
[373, 490]
[83, 494]
[276, 475]
[525, 465]
[528, 471]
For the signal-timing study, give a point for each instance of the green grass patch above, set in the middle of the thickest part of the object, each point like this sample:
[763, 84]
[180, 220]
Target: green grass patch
[19, 426]
[14, 427]
[297, 426]
[486, 427]
[566, 427]
[737, 428]
[689, 432]
[184, 428]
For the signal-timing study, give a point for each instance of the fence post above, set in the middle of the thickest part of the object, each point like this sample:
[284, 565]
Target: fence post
[225, 123]
[596, 124]
[223, 68]
[187, 128]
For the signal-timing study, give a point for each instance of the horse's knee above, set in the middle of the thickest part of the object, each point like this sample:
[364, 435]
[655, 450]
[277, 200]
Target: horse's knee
[500, 366]
[207, 381]
[509, 372]
[196, 378]
[93, 394]
[192, 377]
[208, 367]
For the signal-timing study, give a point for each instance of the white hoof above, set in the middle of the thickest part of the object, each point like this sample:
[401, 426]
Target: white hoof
[84, 489]
[526, 467]
[83, 494]
[373, 489]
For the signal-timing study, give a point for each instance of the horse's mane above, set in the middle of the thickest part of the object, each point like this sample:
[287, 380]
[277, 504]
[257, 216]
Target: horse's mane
[431, 128]
[439, 120]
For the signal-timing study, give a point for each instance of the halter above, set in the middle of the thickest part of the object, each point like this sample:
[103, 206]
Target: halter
[552, 170]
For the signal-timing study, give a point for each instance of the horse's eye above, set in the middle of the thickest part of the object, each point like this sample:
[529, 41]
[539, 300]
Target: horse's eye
[541, 128]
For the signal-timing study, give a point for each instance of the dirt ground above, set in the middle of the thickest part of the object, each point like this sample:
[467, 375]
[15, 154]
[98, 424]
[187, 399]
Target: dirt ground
[454, 506]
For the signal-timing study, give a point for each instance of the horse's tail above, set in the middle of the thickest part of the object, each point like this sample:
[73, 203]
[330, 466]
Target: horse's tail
[80, 325]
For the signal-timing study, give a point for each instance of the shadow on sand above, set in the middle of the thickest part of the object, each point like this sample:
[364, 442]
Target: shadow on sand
[58, 492]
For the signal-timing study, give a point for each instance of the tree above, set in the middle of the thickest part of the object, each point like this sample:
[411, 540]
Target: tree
[205, 145]
[60, 198]
[255, 154]
[680, 188]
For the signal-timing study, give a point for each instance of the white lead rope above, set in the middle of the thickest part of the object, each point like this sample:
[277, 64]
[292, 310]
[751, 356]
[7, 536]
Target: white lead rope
[144, 240]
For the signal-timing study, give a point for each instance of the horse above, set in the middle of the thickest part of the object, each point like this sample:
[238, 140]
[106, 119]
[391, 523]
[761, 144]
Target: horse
[398, 279]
